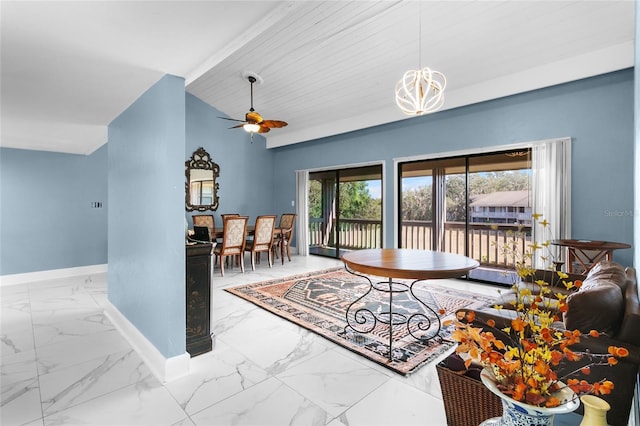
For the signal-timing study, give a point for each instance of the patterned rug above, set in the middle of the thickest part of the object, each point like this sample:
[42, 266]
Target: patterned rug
[320, 300]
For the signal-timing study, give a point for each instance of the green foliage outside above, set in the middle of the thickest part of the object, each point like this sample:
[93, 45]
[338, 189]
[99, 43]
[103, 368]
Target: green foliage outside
[355, 201]
[416, 203]
[315, 198]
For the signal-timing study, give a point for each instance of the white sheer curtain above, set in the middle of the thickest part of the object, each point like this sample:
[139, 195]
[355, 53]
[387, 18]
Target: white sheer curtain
[551, 163]
[302, 191]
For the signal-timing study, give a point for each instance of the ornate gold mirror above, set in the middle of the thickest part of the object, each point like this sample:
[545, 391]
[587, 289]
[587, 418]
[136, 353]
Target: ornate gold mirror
[201, 186]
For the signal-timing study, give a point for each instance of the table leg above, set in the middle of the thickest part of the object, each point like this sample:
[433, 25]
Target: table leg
[390, 320]
[361, 316]
[588, 261]
[424, 322]
[571, 257]
[364, 320]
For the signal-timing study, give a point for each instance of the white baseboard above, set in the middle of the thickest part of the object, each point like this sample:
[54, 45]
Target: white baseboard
[52, 274]
[165, 369]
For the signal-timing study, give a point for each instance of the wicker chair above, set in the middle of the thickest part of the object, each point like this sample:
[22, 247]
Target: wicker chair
[283, 238]
[205, 220]
[262, 240]
[233, 240]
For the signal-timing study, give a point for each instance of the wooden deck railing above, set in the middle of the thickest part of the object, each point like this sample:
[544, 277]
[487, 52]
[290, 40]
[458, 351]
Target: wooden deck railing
[485, 240]
[353, 234]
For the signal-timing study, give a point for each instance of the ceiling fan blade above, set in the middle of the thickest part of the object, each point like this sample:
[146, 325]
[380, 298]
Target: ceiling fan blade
[231, 119]
[263, 129]
[235, 127]
[273, 123]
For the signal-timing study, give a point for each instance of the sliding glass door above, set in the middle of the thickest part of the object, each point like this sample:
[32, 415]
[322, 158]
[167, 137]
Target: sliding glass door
[433, 195]
[345, 210]
[466, 205]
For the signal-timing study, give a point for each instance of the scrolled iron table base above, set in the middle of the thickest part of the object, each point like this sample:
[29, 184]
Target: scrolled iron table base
[364, 320]
[424, 324]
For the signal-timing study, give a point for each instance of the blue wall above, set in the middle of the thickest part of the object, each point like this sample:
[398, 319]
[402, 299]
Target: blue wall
[245, 167]
[150, 141]
[146, 215]
[597, 113]
[46, 219]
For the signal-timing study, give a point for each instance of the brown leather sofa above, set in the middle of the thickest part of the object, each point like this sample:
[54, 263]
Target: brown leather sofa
[607, 301]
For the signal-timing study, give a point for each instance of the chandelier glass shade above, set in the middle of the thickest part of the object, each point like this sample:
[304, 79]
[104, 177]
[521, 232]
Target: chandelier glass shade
[420, 91]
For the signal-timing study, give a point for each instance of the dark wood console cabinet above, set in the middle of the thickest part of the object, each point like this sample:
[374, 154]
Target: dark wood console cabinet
[198, 298]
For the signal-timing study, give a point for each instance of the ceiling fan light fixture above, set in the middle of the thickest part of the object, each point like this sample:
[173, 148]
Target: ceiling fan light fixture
[251, 127]
[253, 121]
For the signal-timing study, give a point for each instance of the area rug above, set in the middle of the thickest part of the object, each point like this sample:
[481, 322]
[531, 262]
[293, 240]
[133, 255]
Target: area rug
[318, 301]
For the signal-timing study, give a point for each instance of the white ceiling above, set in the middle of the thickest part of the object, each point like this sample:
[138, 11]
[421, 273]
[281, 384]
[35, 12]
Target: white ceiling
[69, 68]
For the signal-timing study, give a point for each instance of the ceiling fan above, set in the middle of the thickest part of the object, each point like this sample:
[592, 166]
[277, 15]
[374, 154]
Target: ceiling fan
[253, 121]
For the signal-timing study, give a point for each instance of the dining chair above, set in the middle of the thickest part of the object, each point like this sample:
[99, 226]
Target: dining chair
[234, 236]
[205, 220]
[222, 216]
[284, 235]
[262, 239]
[228, 215]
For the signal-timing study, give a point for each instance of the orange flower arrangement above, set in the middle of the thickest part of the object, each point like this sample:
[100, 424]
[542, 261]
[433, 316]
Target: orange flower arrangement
[523, 362]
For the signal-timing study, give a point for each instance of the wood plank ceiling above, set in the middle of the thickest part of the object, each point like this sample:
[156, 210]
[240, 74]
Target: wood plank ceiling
[69, 68]
[330, 67]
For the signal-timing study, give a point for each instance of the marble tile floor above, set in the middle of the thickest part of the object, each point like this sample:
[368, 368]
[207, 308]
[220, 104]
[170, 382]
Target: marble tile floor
[63, 363]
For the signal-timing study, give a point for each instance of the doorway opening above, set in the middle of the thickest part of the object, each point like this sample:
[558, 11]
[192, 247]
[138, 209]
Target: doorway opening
[345, 210]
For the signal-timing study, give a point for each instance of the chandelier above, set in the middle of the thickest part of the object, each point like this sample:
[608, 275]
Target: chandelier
[420, 91]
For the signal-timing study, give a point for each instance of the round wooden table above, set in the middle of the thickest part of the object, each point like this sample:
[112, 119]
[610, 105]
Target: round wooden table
[417, 265]
[588, 252]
